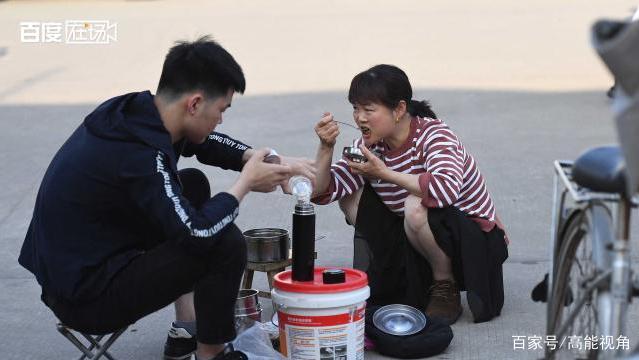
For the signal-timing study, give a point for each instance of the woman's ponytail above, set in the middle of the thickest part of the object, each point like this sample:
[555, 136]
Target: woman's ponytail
[421, 109]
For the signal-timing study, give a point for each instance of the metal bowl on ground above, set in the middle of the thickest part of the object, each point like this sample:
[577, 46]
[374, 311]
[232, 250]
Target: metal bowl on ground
[267, 244]
[247, 309]
[400, 320]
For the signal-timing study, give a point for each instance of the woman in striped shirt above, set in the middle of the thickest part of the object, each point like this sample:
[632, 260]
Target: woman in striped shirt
[433, 197]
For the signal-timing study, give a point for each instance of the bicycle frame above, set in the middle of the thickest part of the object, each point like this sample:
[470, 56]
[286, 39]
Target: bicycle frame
[611, 255]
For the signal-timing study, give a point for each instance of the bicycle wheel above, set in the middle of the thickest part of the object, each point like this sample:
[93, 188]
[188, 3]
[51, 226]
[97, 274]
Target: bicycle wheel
[573, 309]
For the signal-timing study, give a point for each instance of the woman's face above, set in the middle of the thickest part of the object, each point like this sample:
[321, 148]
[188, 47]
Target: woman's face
[374, 120]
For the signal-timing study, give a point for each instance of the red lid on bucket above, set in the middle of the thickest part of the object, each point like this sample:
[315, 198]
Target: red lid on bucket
[355, 279]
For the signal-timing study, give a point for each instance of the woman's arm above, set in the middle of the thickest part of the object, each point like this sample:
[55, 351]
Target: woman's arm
[439, 186]
[327, 130]
[410, 182]
[375, 168]
[323, 162]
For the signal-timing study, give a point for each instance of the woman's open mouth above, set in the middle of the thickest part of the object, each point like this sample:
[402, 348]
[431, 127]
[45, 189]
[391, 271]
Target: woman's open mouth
[366, 131]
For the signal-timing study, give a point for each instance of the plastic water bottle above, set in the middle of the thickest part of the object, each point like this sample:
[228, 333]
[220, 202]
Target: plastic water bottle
[302, 188]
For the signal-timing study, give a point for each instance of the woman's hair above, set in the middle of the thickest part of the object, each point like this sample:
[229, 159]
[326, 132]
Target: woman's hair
[387, 85]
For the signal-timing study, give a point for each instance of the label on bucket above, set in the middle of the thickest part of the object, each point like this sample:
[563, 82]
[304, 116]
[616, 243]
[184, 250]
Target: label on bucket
[309, 337]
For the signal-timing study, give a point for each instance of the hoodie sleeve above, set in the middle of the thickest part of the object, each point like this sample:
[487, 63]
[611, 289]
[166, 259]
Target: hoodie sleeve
[153, 188]
[218, 150]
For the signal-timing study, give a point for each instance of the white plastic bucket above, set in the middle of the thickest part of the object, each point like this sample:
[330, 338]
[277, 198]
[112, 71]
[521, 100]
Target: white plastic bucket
[319, 320]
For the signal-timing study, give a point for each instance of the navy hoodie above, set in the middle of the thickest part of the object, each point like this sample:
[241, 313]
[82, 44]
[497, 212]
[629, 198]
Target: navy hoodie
[111, 192]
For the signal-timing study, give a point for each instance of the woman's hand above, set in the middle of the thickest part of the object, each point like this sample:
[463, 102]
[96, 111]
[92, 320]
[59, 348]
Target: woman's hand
[327, 130]
[374, 168]
[299, 166]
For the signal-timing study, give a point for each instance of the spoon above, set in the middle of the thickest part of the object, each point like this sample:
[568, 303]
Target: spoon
[347, 124]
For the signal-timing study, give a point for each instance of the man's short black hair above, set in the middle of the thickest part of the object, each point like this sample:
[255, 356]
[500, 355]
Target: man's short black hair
[200, 65]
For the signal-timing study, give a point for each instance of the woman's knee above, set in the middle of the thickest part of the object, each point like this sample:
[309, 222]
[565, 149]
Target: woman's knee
[415, 214]
[349, 204]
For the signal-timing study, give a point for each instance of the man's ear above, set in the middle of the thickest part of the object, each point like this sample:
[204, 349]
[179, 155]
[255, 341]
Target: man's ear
[193, 102]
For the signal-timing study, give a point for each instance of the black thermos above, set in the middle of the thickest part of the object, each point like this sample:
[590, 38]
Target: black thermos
[303, 242]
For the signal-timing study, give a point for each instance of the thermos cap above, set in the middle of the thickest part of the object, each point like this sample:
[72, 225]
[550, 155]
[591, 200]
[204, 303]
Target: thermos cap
[334, 276]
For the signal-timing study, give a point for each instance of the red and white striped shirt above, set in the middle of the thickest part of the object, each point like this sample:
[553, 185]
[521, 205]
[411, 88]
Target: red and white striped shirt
[448, 175]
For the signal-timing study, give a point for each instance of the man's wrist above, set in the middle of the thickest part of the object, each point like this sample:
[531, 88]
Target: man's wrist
[239, 189]
[247, 155]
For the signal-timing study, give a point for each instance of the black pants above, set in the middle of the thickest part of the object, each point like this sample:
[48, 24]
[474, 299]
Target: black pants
[159, 276]
[400, 274]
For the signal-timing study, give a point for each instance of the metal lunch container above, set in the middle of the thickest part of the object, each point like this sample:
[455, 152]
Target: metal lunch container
[267, 244]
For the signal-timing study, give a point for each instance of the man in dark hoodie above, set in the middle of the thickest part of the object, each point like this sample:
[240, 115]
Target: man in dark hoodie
[118, 232]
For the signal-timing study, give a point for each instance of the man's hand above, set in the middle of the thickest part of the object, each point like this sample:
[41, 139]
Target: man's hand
[374, 168]
[299, 166]
[263, 177]
[327, 130]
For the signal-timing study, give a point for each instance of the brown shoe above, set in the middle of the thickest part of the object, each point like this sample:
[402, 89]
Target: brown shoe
[445, 301]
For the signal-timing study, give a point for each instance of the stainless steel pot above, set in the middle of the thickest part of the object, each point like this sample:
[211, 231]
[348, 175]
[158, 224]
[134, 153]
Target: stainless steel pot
[267, 244]
[247, 309]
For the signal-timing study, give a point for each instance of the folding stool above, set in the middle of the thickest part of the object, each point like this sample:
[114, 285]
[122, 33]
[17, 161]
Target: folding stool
[97, 348]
